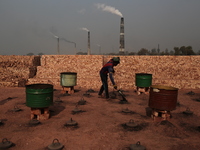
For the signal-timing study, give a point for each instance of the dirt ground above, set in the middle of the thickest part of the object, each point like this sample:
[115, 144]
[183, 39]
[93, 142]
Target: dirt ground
[101, 125]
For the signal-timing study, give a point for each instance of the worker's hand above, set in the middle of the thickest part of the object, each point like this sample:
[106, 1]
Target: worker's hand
[115, 86]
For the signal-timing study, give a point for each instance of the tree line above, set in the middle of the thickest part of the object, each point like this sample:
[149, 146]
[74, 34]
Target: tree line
[183, 50]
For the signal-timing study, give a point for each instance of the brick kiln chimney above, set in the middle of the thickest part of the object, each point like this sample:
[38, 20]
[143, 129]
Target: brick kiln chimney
[89, 43]
[58, 47]
[121, 41]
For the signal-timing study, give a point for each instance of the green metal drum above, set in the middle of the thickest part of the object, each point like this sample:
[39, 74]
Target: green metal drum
[143, 79]
[39, 95]
[68, 79]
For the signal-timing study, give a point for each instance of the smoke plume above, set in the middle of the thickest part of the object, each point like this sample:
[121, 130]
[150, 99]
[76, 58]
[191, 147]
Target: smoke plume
[67, 40]
[109, 9]
[63, 39]
[54, 35]
[85, 29]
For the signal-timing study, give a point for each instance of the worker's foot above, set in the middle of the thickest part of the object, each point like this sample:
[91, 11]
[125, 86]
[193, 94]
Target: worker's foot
[108, 99]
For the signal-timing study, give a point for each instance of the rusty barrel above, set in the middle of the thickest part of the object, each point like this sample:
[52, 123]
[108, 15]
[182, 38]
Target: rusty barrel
[163, 97]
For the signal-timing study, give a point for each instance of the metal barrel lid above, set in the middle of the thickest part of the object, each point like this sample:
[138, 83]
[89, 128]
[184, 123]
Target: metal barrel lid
[87, 94]
[81, 101]
[188, 112]
[131, 123]
[71, 123]
[76, 110]
[58, 100]
[56, 145]
[137, 146]
[16, 109]
[5, 144]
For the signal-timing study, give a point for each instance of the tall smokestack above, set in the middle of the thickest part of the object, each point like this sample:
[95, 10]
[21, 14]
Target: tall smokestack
[121, 41]
[58, 47]
[89, 43]
[75, 47]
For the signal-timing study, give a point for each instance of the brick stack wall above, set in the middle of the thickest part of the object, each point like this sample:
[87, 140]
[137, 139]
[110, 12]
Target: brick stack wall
[178, 71]
[86, 67]
[16, 70]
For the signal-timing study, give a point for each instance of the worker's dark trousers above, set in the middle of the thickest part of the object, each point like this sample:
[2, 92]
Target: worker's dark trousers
[104, 80]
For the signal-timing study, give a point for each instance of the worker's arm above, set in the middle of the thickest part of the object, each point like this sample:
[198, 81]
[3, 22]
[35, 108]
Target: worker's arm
[110, 71]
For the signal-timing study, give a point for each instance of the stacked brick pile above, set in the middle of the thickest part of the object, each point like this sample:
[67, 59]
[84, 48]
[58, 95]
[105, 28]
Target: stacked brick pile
[86, 67]
[176, 71]
[16, 70]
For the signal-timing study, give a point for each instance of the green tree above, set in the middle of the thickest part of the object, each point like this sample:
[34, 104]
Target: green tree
[153, 52]
[29, 54]
[143, 51]
[131, 53]
[177, 51]
[189, 50]
[186, 50]
[40, 53]
[183, 50]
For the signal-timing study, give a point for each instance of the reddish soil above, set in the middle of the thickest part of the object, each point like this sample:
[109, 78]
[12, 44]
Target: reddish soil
[101, 125]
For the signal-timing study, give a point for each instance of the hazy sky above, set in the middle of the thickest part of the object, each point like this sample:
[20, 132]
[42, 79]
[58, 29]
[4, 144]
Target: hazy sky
[27, 25]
